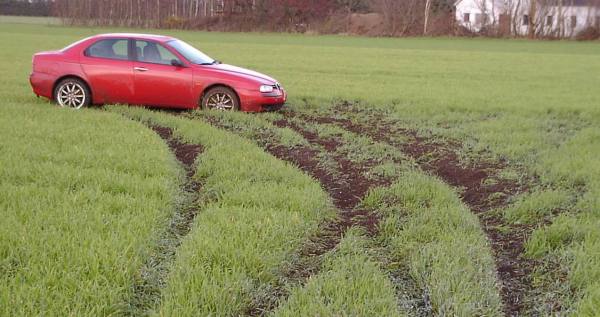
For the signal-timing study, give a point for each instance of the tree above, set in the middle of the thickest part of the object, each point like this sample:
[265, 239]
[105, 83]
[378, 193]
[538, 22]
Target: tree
[427, 10]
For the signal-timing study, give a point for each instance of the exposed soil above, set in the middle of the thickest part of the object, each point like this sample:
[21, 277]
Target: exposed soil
[480, 189]
[347, 191]
[146, 290]
[344, 197]
[347, 186]
[185, 153]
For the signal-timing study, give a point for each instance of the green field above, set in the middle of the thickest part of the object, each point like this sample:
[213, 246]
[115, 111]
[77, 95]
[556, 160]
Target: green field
[406, 177]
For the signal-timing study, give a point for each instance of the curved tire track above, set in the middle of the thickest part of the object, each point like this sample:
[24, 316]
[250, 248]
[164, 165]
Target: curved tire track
[478, 193]
[147, 288]
[346, 192]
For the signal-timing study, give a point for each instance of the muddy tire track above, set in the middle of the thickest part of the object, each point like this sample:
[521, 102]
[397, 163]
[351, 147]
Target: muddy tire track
[152, 279]
[411, 297]
[346, 192]
[347, 185]
[479, 187]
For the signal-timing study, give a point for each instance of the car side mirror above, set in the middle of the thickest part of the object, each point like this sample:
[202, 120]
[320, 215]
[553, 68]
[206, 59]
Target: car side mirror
[176, 63]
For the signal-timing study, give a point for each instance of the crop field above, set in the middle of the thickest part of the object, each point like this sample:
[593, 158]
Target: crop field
[405, 177]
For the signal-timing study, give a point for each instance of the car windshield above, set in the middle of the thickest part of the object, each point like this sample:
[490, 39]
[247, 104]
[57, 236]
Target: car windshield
[191, 53]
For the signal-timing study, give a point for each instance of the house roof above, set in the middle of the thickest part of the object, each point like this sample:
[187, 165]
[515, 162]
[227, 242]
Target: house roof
[572, 3]
[565, 3]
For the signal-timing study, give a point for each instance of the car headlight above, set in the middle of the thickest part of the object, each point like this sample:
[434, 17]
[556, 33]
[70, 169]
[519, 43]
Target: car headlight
[266, 88]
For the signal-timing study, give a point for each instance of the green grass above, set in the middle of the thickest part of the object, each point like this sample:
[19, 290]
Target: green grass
[537, 205]
[257, 212]
[479, 74]
[425, 228]
[531, 103]
[350, 284]
[561, 148]
[29, 20]
[255, 127]
[428, 229]
[80, 212]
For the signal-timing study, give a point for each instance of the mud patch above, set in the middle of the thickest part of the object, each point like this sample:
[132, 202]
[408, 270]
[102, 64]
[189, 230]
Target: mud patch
[151, 280]
[184, 152]
[348, 191]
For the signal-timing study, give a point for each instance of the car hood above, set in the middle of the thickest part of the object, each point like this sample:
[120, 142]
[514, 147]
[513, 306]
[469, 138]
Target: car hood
[243, 72]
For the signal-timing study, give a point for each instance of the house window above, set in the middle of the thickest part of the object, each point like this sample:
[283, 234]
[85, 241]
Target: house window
[549, 20]
[573, 21]
[467, 17]
[480, 18]
[525, 19]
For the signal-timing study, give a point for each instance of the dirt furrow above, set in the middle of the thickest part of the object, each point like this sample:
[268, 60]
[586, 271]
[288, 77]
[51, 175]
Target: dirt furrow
[150, 282]
[479, 188]
[352, 187]
[347, 185]
[346, 192]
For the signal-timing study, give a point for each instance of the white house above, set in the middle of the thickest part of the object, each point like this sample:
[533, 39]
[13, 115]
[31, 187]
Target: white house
[559, 18]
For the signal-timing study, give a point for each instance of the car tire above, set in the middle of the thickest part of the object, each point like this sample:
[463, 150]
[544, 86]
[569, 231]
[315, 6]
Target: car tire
[220, 98]
[72, 93]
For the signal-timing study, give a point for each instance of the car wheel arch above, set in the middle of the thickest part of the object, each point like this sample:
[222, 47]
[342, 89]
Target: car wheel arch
[75, 77]
[211, 86]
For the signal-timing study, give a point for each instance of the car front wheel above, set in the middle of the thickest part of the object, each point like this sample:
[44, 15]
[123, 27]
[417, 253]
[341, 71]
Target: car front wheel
[220, 98]
[72, 93]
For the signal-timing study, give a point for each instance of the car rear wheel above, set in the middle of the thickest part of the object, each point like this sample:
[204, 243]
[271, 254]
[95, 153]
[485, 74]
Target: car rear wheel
[72, 93]
[220, 98]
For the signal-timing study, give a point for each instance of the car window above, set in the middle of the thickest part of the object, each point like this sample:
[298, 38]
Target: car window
[110, 48]
[151, 52]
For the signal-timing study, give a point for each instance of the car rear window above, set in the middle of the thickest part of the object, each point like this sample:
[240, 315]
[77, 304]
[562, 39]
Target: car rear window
[109, 48]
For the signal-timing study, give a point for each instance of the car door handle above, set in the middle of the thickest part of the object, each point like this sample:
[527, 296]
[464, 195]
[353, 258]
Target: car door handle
[141, 69]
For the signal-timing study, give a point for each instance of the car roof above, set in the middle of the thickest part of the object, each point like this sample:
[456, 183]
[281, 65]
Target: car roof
[158, 38]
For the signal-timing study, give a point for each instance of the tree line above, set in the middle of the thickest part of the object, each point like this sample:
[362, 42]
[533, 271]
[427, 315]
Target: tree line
[393, 17]
[370, 17]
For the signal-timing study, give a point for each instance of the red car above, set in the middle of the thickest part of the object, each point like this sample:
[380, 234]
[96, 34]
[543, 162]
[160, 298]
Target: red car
[149, 70]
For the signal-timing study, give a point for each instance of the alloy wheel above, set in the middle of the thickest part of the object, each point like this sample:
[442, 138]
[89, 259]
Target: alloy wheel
[220, 101]
[71, 95]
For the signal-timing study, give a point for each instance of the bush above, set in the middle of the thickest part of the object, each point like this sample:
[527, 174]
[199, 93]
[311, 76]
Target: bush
[588, 34]
[174, 22]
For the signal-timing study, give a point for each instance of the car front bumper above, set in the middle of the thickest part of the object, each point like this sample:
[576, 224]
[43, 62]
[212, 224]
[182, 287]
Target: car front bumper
[255, 101]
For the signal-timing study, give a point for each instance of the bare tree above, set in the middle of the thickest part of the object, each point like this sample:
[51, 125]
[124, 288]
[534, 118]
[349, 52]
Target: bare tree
[427, 11]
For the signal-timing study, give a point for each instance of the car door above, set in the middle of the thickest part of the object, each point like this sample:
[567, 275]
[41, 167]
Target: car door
[108, 66]
[157, 82]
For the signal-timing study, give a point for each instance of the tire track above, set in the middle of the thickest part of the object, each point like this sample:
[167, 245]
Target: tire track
[347, 185]
[481, 191]
[411, 298]
[346, 193]
[151, 280]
